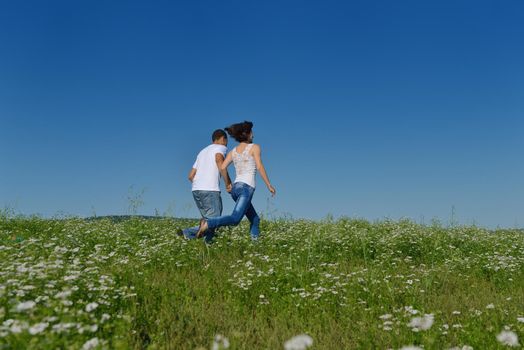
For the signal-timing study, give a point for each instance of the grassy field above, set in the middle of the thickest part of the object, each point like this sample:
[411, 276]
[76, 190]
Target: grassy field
[348, 284]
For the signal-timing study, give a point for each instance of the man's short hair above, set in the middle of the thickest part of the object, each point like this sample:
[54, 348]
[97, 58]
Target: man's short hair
[217, 134]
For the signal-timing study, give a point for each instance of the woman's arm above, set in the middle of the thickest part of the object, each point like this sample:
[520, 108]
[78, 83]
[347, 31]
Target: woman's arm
[261, 169]
[219, 159]
[223, 171]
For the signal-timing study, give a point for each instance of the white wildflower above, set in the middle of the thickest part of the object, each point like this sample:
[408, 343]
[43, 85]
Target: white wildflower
[520, 319]
[70, 278]
[22, 269]
[91, 344]
[490, 306]
[421, 323]
[51, 319]
[386, 316]
[91, 306]
[26, 305]
[62, 295]
[508, 338]
[411, 347]
[299, 342]
[38, 328]
[16, 328]
[410, 310]
[61, 327]
[220, 342]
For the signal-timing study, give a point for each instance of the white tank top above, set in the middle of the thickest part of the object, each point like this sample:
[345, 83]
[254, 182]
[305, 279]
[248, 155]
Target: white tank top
[245, 166]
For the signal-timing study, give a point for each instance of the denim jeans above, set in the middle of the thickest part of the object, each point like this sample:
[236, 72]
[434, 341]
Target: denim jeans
[210, 205]
[242, 195]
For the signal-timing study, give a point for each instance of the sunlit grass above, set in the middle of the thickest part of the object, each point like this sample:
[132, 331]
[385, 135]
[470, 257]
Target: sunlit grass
[347, 284]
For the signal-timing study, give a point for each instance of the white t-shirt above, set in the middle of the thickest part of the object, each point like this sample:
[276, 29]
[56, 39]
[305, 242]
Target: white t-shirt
[207, 175]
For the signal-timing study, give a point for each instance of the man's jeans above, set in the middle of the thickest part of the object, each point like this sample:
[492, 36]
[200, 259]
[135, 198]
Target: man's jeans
[210, 205]
[242, 195]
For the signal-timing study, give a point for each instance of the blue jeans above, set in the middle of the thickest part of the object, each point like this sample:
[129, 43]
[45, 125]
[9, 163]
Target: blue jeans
[210, 205]
[242, 195]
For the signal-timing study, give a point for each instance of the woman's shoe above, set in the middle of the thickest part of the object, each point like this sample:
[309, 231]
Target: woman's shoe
[202, 228]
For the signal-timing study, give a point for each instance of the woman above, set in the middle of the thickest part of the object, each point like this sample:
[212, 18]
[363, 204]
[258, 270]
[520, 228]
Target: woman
[246, 158]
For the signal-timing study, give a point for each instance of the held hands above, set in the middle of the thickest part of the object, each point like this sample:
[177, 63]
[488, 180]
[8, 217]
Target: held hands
[229, 187]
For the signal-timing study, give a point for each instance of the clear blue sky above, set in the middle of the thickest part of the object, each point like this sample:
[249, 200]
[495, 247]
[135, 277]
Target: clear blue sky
[368, 109]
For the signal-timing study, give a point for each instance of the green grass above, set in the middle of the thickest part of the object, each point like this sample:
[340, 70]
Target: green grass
[332, 280]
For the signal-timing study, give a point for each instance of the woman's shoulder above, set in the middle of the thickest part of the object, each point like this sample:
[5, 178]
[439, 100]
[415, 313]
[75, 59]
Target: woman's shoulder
[255, 149]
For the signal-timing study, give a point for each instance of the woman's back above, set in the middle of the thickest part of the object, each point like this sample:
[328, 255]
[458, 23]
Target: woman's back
[245, 165]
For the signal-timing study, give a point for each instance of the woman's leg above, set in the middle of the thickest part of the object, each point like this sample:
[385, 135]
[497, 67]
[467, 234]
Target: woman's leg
[243, 201]
[254, 220]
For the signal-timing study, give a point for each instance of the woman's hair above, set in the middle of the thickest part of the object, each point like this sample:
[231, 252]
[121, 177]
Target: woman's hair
[240, 131]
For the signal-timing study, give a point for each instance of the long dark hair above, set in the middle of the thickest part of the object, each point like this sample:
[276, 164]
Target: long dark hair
[240, 131]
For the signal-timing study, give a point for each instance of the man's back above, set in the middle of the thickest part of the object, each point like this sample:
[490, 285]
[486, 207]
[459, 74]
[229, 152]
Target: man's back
[207, 175]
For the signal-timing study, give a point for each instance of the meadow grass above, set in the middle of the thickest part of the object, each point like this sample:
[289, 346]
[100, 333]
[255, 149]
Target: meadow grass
[347, 283]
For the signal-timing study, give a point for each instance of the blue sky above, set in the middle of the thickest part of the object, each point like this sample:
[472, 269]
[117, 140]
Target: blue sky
[373, 109]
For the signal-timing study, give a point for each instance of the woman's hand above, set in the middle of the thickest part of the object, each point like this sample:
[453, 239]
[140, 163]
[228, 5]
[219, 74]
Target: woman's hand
[261, 169]
[272, 190]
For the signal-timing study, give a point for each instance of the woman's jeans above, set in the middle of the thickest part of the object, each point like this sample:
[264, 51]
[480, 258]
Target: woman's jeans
[242, 195]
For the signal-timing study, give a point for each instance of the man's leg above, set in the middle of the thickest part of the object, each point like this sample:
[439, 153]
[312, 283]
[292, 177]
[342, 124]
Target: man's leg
[198, 196]
[213, 205]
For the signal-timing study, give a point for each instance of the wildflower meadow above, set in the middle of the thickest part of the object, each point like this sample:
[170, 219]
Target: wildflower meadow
[333, 284]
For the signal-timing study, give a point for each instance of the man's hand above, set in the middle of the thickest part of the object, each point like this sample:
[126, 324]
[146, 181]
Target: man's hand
[229, 188]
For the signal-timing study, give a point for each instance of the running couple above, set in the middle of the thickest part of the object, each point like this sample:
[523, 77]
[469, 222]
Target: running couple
[212, 162]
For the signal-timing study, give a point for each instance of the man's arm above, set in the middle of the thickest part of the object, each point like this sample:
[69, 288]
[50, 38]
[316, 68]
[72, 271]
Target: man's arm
[192, 174]
[219, 158]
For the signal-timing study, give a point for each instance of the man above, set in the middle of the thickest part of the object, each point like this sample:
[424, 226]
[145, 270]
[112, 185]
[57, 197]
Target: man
[205, 177]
